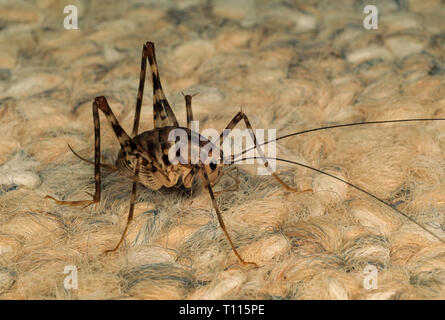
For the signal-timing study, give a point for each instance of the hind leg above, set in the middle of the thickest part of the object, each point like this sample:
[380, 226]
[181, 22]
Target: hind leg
[137, 114]
[163, 114]
[96, 196]
[127, 144]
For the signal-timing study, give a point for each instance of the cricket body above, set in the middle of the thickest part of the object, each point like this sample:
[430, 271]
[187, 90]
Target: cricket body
[145, 156]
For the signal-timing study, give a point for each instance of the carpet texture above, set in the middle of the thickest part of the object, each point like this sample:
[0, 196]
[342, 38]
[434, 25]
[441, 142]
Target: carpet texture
[290, 66]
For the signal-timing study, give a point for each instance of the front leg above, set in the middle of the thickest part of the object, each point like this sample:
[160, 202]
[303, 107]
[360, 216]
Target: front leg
[242, 116]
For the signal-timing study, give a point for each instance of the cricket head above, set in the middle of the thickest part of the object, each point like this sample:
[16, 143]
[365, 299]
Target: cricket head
[214, 167]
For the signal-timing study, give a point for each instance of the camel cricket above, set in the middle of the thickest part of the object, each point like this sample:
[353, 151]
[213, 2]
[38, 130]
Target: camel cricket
[147, 157]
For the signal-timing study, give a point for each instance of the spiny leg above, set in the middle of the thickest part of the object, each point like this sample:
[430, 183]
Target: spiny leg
[242, 116]
[96, 196]
[205, 179]
[163, 115]
[131, 210]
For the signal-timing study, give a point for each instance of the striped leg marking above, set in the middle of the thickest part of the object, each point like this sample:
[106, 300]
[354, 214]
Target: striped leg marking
[163, 115]
[242, 116]
[131, 210]
[96, 196]
[205, 179]
[137, 114]
[127, 144]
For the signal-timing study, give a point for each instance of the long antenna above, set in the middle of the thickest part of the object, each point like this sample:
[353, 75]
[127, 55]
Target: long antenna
[337, 126]
[349, 184]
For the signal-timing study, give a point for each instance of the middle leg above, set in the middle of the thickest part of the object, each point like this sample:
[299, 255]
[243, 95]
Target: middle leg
[131, 210]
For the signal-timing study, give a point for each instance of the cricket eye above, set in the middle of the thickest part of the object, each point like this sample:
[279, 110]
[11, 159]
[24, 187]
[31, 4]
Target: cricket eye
[212, 166]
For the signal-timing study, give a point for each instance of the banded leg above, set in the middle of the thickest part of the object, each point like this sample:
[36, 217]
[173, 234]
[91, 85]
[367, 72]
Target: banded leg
[242, 116]
[137, 114]
[205, 179]
[97, 165]
[127, 144]
[163, 115]
[131, 210]
[132, 151]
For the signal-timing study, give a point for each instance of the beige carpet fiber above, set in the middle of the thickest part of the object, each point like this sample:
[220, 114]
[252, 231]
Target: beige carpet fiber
[290, 65]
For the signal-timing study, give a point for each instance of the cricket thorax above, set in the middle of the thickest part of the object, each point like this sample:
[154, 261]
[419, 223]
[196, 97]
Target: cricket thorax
[160, 172]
